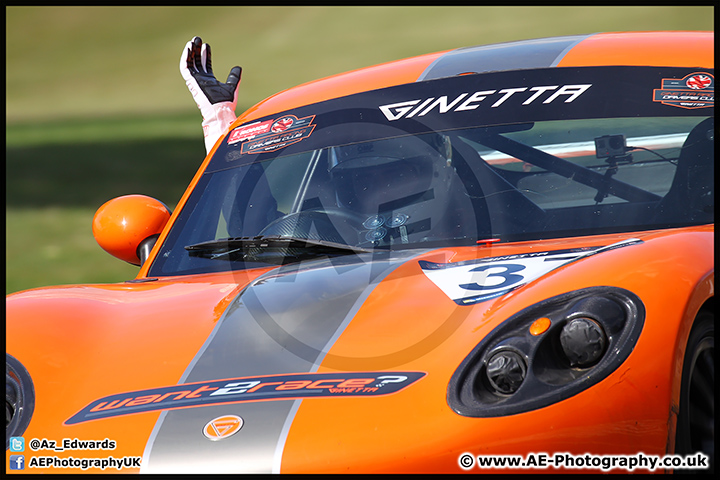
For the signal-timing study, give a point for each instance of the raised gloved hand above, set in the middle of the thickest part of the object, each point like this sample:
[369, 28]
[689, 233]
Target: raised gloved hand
[215, 100]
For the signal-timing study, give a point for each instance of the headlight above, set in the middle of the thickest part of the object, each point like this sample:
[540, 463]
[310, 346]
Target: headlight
[583, 341]
[506, 371]
[19, 399]
[548, 352]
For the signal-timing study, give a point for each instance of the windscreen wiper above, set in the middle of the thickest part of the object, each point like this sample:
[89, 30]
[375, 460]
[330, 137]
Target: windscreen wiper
[270, 249]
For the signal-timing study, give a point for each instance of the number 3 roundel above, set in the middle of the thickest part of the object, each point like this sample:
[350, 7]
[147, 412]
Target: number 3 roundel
[474, 281]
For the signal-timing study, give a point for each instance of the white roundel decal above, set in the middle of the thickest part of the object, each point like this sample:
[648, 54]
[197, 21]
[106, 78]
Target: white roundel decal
[474, 281]
[222, 427]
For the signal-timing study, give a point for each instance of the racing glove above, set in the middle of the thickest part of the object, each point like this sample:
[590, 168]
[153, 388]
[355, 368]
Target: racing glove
[215, 100]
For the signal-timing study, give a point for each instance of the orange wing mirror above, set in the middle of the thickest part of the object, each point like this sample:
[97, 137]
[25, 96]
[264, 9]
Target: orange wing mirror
[127, 227]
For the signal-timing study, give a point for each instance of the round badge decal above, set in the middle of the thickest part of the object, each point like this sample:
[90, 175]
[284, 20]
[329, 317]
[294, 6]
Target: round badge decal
[282, 124]
[698, 82]
[222, 427]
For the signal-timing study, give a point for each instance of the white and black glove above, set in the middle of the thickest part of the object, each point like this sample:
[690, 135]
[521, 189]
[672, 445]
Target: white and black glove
[215, 100]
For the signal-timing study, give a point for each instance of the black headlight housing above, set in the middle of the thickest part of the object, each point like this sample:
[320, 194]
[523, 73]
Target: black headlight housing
[19, 399]
[548, 352]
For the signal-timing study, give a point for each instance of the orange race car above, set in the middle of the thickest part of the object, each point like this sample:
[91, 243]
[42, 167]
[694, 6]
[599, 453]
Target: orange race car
[496, 258]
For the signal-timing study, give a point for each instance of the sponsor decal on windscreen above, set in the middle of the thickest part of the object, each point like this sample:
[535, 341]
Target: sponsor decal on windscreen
[271, 135]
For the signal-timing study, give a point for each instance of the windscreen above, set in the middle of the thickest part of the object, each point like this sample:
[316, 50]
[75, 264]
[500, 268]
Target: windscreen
[514, 156]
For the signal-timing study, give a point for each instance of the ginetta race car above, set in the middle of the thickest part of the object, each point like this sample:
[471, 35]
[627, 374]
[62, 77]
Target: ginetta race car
[423, 266]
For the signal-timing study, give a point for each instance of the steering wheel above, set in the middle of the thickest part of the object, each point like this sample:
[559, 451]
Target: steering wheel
[327, 224]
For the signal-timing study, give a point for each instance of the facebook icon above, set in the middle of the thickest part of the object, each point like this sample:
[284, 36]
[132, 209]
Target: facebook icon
[17, 462]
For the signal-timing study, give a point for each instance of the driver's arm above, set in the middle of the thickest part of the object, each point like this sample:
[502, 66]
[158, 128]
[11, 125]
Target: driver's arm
[215, 100]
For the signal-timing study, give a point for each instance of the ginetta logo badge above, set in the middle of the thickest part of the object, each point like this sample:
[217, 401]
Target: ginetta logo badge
[222, 427]
[522, 96]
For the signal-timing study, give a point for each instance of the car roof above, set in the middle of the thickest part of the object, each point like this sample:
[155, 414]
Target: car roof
[663, 48]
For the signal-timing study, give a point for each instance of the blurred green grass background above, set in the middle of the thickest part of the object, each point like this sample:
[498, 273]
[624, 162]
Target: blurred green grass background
[96, 107]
